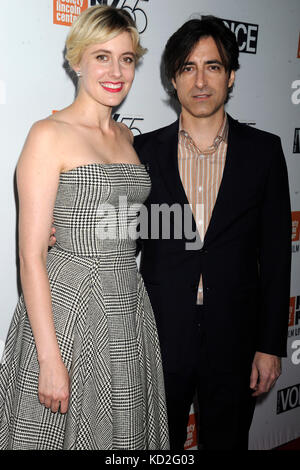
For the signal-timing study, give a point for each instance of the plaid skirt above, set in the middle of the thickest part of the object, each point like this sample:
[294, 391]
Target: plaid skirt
[107, 336]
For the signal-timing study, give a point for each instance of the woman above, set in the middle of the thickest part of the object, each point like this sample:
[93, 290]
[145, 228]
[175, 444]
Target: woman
[82, 367]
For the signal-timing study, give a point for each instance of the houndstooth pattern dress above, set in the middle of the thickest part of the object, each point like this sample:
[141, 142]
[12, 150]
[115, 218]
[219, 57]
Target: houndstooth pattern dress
[104, 325]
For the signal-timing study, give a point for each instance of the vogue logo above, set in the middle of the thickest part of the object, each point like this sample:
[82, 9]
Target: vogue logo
[66, 11]
[133, 7]
[246, 35]
[288, 398]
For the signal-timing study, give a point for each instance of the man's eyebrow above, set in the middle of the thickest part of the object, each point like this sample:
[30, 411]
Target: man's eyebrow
[208, 62]
[188, 63]
[215, 61]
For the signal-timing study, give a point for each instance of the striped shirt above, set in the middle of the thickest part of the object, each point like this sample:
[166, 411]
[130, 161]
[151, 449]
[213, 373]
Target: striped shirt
[201, 173]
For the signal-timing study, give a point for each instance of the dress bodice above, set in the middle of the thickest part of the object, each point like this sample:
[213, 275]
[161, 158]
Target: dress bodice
[96, 208]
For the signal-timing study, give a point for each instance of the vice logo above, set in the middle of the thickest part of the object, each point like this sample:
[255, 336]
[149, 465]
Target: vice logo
[132, 7]
[288, 398]
[246, 35]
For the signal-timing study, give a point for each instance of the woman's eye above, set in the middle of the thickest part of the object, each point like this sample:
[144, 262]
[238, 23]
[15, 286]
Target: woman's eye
[102, 58]
[128, 60]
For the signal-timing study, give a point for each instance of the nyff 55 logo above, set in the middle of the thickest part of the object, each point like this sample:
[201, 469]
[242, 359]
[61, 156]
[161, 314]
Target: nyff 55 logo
[134, 7]
[130, 121]
[66, 11]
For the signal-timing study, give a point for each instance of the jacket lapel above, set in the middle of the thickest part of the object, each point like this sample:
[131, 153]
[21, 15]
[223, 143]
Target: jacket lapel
[168, 163]
[223, 211]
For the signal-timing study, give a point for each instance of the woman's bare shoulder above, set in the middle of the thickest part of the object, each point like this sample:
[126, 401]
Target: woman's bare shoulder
[125, 131]
[40, 144]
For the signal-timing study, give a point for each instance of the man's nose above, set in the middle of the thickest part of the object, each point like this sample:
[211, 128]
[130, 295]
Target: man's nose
[200, 78]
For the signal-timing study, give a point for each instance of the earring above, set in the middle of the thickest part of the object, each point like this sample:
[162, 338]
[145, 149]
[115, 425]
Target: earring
[78, 73]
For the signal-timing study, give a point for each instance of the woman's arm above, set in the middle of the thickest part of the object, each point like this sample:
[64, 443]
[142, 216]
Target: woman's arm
[37, 179]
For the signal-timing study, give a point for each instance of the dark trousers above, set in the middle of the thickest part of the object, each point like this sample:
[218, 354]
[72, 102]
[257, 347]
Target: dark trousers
[225, 403]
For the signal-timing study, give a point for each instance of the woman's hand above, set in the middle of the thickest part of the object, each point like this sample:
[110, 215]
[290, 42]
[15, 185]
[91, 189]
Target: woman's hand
[54, 386]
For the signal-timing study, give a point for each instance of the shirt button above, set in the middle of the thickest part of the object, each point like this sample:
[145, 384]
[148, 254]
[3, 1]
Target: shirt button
[200, 189]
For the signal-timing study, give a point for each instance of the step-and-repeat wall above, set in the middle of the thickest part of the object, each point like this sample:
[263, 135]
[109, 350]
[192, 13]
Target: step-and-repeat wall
[34, 82]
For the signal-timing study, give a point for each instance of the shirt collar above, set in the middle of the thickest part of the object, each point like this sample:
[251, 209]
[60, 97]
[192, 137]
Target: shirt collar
[221, 136]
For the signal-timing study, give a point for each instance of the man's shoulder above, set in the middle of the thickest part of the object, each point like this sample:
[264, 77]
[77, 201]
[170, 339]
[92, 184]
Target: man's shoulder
[157, 134]
[253, 134]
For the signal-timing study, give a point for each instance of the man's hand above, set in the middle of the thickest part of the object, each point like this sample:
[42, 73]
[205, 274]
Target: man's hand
[52, 239]
[266, 369]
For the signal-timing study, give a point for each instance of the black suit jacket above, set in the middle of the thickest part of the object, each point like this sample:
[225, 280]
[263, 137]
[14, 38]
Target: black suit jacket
[245, 259]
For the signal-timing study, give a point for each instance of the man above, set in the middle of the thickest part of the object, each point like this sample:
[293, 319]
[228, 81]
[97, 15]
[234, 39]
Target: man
[221, 309]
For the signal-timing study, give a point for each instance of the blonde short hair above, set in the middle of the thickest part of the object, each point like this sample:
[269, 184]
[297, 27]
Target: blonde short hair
[99, 24]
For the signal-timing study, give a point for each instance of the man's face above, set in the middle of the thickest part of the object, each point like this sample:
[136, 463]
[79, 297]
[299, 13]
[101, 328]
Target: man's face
[202, 84]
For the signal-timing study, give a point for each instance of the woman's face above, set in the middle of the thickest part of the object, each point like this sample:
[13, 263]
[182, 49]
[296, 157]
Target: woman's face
[107, 70]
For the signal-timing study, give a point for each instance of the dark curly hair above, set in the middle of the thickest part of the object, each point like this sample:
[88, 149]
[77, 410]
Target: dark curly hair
[183, 41]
